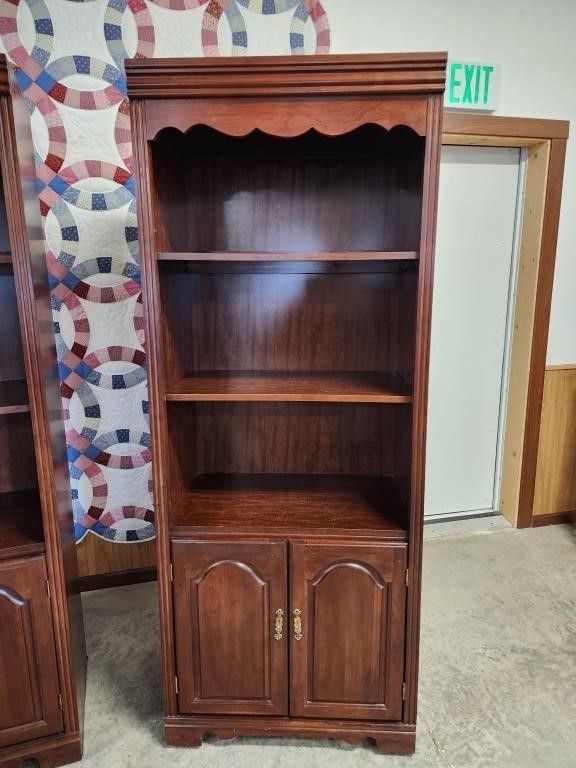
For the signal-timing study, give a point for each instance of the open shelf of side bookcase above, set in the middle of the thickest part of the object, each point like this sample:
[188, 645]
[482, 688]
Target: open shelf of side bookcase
[21, 531]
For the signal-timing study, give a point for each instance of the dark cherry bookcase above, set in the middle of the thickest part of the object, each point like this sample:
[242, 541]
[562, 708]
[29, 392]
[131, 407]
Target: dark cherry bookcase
[42, 655]
[287, 215]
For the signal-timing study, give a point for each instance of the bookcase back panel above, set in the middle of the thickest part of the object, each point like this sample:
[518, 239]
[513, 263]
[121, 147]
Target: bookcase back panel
[11, 361]
[289, 322]
[302, 438]
[18, 465]
[359, 191]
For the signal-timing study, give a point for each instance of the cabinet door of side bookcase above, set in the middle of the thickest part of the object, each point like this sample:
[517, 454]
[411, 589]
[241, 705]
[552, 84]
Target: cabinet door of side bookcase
[29, 705]
[348, 616]
[230, 602]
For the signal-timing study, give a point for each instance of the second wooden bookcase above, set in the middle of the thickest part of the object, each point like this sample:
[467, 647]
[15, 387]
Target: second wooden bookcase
[287, 212]
[42, 649]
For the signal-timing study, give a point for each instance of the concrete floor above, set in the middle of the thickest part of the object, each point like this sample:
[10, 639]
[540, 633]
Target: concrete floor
[498, 668]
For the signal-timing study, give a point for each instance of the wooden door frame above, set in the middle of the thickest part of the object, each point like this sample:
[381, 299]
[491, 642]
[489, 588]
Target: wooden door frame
[545, 141]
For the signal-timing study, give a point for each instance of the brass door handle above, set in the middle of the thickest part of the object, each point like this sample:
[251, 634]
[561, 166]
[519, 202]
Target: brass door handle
[278, 624]
[297, 616]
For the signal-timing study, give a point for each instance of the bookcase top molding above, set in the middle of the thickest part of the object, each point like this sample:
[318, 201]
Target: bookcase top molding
[342, 74]
[237, 96]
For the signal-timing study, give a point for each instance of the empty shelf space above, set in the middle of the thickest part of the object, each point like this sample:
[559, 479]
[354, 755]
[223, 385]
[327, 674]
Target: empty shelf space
[14, 397]
[20, 524]
[280, 386]
[288, 256]
[360, 191]
[270, 501]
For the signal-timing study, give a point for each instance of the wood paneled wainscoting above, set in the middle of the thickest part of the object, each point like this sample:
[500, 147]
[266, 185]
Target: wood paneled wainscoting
[555, 491]
[103, 564]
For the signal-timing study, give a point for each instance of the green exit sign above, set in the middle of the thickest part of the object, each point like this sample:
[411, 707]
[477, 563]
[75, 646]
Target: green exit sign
[471, 85]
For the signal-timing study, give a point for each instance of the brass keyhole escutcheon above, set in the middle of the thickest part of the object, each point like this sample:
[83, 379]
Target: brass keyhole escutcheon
[278, 624]
[297, 615]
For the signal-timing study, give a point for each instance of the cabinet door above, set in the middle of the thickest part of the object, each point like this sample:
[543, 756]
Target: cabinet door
[29, 706]
[348, 659]
[230, 646]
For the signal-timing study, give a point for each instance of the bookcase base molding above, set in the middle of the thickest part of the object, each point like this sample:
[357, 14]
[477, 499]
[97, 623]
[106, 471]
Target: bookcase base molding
[51, 752]
[395, 739]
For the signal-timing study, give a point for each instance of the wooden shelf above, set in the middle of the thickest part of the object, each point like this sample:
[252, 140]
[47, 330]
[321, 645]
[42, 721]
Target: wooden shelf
[305, 502]
[6, 410]
[14, 397]
[308, 387]
[288, 256]
[20, 524]
[5, 258]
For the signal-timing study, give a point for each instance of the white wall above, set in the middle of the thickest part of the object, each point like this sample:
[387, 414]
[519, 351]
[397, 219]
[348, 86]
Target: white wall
[535, 43]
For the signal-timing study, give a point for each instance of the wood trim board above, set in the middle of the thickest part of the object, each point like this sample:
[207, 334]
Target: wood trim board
[558, 518]
[540, 330]
[532, 130]
[117, 579]
[529, 261]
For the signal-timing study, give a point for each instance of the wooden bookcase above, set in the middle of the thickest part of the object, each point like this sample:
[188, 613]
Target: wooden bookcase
[287, 216]
[42, 656]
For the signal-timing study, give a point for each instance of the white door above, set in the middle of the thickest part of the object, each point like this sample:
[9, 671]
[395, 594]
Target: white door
[471, 310]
